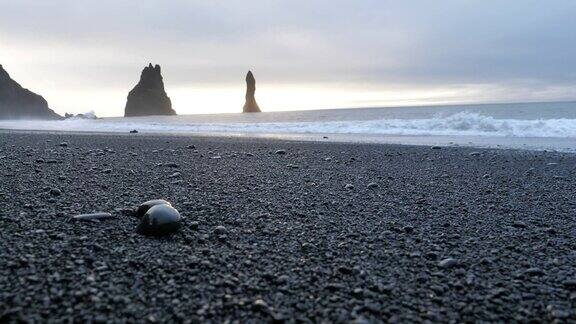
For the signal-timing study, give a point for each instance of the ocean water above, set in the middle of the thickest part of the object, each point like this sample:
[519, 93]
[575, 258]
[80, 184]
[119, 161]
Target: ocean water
[549, 126]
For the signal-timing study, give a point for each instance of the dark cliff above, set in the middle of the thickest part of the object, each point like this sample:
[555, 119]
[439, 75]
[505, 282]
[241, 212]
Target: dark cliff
[17, 102]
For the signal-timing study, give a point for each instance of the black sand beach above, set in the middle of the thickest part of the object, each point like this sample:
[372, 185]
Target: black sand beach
[324, 232]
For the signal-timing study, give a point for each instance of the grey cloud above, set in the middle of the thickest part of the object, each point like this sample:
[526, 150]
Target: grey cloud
[380, 41]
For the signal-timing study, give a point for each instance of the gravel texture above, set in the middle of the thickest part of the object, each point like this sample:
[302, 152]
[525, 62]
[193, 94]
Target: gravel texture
[284, 231]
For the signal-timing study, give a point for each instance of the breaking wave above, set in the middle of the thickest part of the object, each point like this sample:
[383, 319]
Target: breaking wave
[462, 123]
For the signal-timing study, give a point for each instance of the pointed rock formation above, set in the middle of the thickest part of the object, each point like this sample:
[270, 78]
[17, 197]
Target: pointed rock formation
[19, 103]
[148, 96]
[250, 106]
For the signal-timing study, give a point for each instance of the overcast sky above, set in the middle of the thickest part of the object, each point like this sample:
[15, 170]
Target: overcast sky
[305, 54]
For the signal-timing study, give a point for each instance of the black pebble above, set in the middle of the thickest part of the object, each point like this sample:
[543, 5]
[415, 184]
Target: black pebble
[160, 220]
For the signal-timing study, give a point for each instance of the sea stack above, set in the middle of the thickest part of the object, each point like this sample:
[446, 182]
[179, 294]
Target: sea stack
[20, 103]
[250, 106]
[148, 96]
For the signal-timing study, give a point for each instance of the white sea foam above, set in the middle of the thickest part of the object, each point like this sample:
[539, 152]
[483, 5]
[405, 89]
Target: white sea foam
[458, 124]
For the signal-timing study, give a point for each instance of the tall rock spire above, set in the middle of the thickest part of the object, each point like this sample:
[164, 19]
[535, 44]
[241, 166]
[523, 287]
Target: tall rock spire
[149, 97]
[250, 106]
[19, 103]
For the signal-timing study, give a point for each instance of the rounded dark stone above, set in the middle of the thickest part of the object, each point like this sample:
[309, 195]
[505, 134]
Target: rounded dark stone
[159, 220]
[220, 230]
[143, 208]
[448, 263]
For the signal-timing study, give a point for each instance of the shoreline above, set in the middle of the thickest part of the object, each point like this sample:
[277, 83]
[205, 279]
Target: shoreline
[541, 144]
[334, 231]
